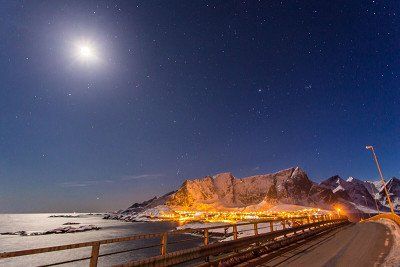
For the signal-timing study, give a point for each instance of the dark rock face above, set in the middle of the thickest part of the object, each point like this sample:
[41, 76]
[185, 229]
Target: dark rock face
[320, 194]
[155, 201]
[393, 187]
[332, 182]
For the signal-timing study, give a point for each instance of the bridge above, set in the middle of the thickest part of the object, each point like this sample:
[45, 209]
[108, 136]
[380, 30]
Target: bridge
[300, 241]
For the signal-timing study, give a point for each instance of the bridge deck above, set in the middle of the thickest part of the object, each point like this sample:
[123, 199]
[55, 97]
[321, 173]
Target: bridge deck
[361, 244]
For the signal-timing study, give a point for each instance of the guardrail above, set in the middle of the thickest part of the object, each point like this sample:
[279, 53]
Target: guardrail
[232, 231]
[390, 216]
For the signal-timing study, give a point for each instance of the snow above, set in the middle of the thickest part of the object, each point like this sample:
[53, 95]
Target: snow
[338, 188]
[393, 258]
[227, 229]
[150, 214]
[157, 211]
[286, 190]
[378, 185]
[364, 208]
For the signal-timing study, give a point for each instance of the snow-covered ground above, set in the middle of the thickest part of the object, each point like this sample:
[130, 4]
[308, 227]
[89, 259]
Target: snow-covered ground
[393, 259]
[364, 208]
[227, 229]
[152, 214]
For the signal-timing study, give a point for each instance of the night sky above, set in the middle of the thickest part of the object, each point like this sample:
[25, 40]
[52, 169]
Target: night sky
[170, 90]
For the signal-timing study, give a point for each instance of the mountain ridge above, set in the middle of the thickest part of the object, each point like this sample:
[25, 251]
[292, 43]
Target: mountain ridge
[225, 192]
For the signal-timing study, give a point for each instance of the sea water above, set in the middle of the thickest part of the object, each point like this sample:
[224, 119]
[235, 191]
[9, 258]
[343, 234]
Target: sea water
[109, 229]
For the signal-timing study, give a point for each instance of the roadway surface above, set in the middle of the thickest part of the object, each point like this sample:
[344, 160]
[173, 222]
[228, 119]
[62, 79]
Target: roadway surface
[362, 244]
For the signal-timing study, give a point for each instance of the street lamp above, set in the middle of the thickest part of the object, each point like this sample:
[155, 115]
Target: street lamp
[338, 211]
[371, 148]
[373, 194]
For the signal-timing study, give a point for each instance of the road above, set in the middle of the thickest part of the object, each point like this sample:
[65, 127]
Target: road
[362, 244]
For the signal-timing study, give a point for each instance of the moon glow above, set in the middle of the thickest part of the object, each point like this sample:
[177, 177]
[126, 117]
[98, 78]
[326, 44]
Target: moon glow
[85, 52]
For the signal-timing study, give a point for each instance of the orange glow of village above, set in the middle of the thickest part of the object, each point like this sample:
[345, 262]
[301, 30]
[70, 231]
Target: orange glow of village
[185, 216]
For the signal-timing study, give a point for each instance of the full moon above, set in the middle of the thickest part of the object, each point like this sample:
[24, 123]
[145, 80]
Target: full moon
[85, 51]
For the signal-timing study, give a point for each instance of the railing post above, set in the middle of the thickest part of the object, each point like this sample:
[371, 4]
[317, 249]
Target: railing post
[95, 255]
[206, 237]
[255, 229]
[283, 222]
[271, 226]
[235, 233]
[164, 244]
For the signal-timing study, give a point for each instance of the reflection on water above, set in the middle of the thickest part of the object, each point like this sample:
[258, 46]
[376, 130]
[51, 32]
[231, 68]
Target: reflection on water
[110, 229]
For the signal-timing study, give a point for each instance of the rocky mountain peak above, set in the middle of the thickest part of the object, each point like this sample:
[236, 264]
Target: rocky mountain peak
[333, 182]
[393, 186]
[300, 176]
[260, 192]
[289, 186]
[225, 177]
[394, 181]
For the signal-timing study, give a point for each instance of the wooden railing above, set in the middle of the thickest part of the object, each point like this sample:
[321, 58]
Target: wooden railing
[231, 230]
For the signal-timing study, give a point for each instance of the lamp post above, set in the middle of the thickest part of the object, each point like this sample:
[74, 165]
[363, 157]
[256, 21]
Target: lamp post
[376, 202]
[371, 148]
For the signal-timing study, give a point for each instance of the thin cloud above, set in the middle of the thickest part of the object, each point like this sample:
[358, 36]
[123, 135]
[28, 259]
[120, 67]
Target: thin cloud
[79, 183]
[85, 183]
[140, 177]
[108, 181]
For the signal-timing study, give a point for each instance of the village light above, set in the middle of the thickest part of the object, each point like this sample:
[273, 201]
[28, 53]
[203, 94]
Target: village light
[338, 211]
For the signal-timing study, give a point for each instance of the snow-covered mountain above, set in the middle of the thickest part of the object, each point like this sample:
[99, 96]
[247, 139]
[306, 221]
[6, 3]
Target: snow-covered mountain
[352, 190]
[149, 204]
[393, 187]
[223, 192]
